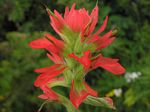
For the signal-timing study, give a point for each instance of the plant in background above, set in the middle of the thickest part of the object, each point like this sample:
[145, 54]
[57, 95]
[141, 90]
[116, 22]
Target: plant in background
[74, 55]
[132, 76]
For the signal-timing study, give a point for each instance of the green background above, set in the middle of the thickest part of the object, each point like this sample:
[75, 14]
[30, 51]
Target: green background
[24, 20]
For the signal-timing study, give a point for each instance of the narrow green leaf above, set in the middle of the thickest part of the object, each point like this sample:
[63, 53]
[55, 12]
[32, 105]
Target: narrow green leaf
[95, 101]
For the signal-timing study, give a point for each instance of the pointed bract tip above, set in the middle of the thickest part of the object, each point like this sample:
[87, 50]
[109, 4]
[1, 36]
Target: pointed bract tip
[74, 4]
[114, 32]
[50, 13]
[106, 19]
[73, 7]
[43, 5]
[96, 2]
[47, 9]
[110, 102]
[87, 52]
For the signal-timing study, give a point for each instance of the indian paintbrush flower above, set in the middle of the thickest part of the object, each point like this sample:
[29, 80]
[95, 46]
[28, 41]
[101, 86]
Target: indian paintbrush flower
[74, 55]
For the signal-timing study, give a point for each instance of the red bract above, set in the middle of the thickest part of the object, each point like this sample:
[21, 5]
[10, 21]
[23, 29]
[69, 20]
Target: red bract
[48, 75]
[51, 44]
[109, 64]
[48, 42]
[84, 60]
[55, 58]
[102, 42]
[109, 100]
[46, 69]
[58, 43]
[78, 96]
[49, 94]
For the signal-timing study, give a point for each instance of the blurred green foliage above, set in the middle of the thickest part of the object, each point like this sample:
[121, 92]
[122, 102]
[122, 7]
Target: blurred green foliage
[23, 20]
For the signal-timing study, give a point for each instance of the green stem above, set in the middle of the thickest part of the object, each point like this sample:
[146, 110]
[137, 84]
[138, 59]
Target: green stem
[66, 102]
[39, 110]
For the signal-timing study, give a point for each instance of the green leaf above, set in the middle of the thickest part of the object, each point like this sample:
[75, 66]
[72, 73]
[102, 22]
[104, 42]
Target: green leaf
[95, 101]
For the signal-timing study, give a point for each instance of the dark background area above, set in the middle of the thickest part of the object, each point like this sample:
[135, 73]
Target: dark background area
[24, 20]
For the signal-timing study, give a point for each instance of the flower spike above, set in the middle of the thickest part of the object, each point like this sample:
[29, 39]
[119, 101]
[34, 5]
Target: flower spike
[74, 55]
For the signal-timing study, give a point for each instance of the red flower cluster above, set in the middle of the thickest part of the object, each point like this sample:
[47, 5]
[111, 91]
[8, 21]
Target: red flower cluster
[75, 53]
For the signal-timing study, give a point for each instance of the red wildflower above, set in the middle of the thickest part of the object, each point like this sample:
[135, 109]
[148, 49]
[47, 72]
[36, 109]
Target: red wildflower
[80, 43]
